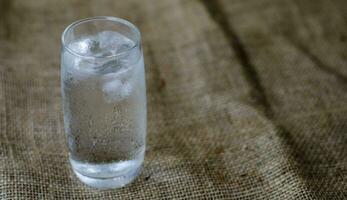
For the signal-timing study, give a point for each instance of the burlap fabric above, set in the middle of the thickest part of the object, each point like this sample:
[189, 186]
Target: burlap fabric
[246, 99]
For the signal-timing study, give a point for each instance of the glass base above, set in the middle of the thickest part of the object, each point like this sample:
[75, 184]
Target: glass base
[109, 183]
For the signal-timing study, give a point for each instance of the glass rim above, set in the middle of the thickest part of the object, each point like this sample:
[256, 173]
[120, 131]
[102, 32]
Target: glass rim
[101, 18]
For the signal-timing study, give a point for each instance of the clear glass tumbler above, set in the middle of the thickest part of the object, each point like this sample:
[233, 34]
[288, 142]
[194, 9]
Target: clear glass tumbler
[104, 100]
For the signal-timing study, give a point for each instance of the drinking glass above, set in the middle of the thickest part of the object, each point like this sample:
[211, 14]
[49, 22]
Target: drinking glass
[104, 100]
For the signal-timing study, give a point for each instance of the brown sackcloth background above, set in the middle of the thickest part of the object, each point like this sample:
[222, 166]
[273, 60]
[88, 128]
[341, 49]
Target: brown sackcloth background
[246, 99]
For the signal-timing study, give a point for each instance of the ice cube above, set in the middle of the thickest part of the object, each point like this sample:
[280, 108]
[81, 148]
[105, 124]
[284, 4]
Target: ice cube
[78, 68]
[109, 66]
[114, 42]
[117, 86]
[126, 89]
[112, 91]
[83, 69]
[85, 46]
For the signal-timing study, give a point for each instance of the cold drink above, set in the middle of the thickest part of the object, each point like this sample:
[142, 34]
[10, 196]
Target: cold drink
[104, 95]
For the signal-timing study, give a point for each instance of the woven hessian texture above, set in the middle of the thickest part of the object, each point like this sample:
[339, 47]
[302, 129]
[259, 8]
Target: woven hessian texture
[246, 99]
